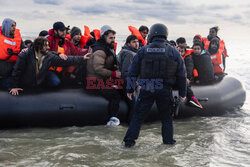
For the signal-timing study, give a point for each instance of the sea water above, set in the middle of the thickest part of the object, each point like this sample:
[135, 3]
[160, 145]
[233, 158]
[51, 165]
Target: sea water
[201, 141]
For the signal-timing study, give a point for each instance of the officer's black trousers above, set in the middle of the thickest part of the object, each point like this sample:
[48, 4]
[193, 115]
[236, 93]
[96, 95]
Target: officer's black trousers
[163, 98]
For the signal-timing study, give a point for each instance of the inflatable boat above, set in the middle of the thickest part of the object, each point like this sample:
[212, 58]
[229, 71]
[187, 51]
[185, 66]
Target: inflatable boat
[76, 107]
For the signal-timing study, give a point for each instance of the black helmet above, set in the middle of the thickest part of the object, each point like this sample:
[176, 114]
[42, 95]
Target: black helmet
[158, 30]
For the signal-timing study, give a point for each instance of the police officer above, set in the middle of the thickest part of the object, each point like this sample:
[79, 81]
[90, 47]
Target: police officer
[162, 63]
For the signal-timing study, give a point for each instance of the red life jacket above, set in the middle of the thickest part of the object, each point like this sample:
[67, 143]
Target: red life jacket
[188, 52]
[217, 59]
[8, 45]
[67, 36]
[137, 33]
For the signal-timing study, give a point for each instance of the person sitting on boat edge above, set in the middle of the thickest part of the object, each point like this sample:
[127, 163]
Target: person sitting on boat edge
[191, 99]
[11, 44]
[203, 64]
[102, 66]
[32, 67]
[126, 57]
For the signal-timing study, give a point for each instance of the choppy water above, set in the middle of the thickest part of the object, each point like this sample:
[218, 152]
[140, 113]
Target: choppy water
[201, 141]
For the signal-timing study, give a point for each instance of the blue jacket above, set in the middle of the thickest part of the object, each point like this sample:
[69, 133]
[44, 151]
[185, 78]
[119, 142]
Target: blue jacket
[181, 74]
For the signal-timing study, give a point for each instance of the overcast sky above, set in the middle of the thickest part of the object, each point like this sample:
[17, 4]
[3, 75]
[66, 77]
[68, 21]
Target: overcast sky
[182, 18]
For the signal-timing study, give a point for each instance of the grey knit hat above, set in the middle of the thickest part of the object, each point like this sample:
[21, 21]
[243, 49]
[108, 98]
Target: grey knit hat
[105, 28]
[74, 31]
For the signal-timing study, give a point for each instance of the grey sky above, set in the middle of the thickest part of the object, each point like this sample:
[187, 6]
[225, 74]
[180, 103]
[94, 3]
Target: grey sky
[183, 18]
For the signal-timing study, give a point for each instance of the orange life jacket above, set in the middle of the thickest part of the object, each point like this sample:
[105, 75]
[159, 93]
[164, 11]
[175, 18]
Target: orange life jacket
[97, 34]
[58, 69]
[85, 38]
[188, 52]
[206, 43]
[10, 45]
[137, 33]
[217, 59]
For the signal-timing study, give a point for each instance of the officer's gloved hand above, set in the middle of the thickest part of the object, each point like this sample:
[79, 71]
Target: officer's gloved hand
[182, 99]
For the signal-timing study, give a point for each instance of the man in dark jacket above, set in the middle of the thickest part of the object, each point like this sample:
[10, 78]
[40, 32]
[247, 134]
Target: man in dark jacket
[102, 65]
[191, 99]
[126, 57]
[164, 65]
[32, 67]
[127, 54]
[203, 64]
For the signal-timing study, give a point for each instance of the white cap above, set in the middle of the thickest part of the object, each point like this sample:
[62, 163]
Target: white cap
[105, 28]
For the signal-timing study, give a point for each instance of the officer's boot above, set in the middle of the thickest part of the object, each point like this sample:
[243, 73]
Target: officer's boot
[168, 131]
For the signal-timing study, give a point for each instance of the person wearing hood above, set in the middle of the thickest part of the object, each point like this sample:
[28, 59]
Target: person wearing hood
[11, 45]
[213, 33]
[216, 50]
[127, 54]
[102, 66]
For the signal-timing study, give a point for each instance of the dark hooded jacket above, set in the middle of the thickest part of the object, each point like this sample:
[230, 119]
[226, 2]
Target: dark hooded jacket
[204, 66]
[126, 57]
[212, 51]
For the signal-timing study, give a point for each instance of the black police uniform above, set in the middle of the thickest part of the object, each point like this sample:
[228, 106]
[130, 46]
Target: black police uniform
[164, 63]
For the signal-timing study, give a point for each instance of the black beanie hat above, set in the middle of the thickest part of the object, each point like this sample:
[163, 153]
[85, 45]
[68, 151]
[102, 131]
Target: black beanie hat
[59, 26]
[74, 31]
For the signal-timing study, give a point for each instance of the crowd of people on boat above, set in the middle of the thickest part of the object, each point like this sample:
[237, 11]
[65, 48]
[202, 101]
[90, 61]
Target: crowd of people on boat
[63, 55]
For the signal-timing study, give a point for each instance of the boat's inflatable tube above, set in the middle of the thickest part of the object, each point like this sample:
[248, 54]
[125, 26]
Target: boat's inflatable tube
[69, 107]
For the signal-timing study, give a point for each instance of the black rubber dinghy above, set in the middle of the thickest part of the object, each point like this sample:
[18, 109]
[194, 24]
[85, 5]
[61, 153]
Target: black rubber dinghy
[76, 107]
